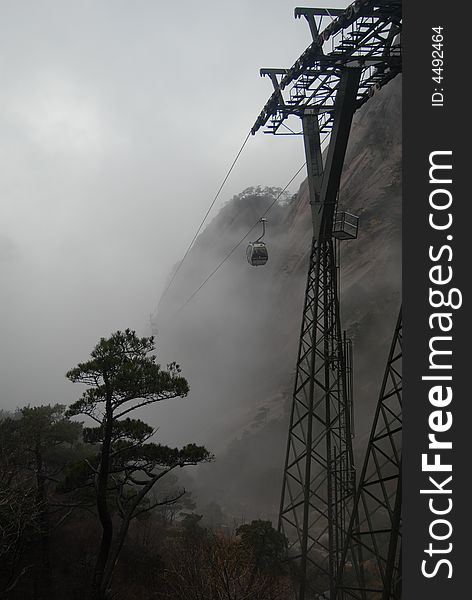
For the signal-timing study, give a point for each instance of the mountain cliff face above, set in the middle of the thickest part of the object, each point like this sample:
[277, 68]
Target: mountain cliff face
[237, 338]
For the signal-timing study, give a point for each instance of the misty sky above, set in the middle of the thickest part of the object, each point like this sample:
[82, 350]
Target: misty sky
[118, 121]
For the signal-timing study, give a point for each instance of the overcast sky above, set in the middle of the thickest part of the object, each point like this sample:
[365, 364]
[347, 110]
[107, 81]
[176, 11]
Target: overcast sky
[118, 121]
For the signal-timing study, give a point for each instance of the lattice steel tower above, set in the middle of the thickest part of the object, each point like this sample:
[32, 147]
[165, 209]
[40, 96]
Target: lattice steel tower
[353, 55]
[374, 536]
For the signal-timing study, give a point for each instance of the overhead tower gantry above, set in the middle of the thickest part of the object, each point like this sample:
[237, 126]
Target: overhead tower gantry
[354, 52]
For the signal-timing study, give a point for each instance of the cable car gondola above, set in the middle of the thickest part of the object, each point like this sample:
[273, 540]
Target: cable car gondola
[256, 252]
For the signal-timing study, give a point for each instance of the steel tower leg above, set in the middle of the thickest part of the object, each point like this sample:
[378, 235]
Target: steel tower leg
[317, 485]
[371, 557]
[318, 473]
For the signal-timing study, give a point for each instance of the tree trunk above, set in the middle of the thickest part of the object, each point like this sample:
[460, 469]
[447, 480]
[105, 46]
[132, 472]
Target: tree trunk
[125, 526]
[97, 592]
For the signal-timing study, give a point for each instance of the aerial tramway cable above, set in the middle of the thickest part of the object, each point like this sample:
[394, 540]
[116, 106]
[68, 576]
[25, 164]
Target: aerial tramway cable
[221, 263]
[204, 218]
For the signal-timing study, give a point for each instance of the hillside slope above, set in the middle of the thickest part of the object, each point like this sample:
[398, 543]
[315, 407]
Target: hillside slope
[237, 339]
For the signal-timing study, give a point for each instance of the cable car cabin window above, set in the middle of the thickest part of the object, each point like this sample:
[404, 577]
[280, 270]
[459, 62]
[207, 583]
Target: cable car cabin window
[256, 254]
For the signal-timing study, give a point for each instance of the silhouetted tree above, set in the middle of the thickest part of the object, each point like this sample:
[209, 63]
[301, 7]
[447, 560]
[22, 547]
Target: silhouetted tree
[18, 515]
[45, 433]
[268, 546]
[34, 449]
[123, 376]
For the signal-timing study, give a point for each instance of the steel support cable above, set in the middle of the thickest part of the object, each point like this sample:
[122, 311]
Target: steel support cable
[221, 263]
[204, 218]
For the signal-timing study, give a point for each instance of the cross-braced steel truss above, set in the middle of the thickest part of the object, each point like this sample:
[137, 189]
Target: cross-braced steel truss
[365, 35]
[370, 566]
[318, 483]
[356, 53]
